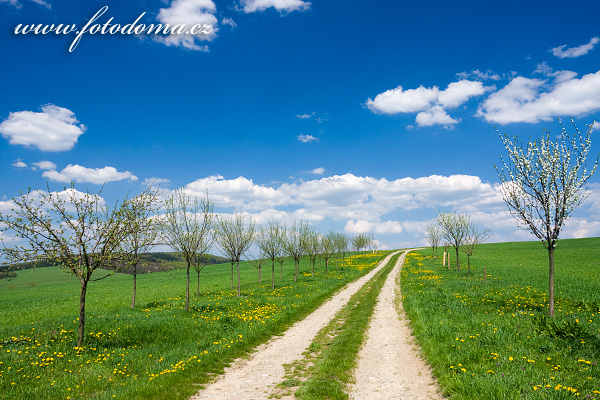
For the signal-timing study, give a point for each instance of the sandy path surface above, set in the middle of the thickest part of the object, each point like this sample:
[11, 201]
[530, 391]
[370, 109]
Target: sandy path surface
[256, 377]
[388, 366]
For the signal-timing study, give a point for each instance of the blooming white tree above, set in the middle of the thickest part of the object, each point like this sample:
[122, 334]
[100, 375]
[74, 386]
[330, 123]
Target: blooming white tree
[434, 236]
[455, 228]
[543, 182]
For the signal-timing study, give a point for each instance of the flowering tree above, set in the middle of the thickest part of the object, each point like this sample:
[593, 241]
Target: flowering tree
[269, 242]
[474, 238]
[455, 228]
[434, 236]
[144, 232]
[72, 229]
[543, 182]
[235, 235]
[187, 227]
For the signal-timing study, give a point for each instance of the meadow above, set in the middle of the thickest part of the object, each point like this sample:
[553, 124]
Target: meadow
[492, 339]
[156, 350]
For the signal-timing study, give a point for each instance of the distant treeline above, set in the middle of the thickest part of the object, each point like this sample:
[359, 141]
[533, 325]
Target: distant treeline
[151, 262]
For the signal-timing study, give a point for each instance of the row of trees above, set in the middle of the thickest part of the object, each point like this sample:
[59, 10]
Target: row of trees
[81, 234]
[456, 230]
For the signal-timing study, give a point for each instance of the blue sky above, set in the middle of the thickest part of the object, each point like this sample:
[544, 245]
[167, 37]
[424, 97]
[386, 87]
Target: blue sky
[362, 117]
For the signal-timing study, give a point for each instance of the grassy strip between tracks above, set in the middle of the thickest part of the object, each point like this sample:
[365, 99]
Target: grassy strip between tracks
[329, 361]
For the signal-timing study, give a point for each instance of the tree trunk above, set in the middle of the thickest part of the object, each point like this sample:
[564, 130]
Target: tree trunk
[326, 264]
[295, 270]
[484, 275]
[551, 281]
[281, 268]
[313, 268]
[134, 285]
[273, 273]
[469, 264]
[457, 260]
[81, 333]
[232, 275]
[239, 284]
[187, 289]
[259, 274]
[198, 283]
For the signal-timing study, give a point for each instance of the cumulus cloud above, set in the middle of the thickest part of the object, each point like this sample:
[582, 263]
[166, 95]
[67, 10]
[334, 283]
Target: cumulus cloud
[436, 115]
[46, 165]
[190, 13]
[79, 174]
[574, 52]
[307, 138]
[381, 227]
[250, 6]
[532, 100]
[346, 197]
[19, 164]
[431, 103]
[317, 171]
[239, 193]
[53, 129]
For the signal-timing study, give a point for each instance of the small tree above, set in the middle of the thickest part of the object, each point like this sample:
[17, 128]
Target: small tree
[72, 229]
[473, 239]
[455, 228]
[270, 243]
[143, 234]
[312, 247]
[341, 245]
[293, 244]
[543, 182]
[186, 227]
[235, 235]
[328, 248]
[434, 236]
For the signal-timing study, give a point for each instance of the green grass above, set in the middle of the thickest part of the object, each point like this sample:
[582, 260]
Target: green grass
[156, 350]
[491, 339]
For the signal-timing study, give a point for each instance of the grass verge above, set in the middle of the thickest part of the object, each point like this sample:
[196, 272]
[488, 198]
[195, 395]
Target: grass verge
[492, 339]
[156, 350]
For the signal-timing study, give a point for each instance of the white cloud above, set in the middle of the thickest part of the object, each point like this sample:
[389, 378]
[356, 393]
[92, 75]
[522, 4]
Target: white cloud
[307, 138]
[79, 174]
[250, 6]
[398, 100]
[305, 116]
[47, 165]
[228, 21]
[573, 52]
[155, 181]
[239, 193]
[459, 92]
[190, 13]
[317, 171]
[430, 103]
[19, 164]
[53, 129]
[363, 226]
[436, 115]
[522, 100]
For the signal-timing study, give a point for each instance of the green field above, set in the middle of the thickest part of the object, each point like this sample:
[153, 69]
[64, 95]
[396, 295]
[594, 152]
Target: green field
[156, 350]
[491, 339]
